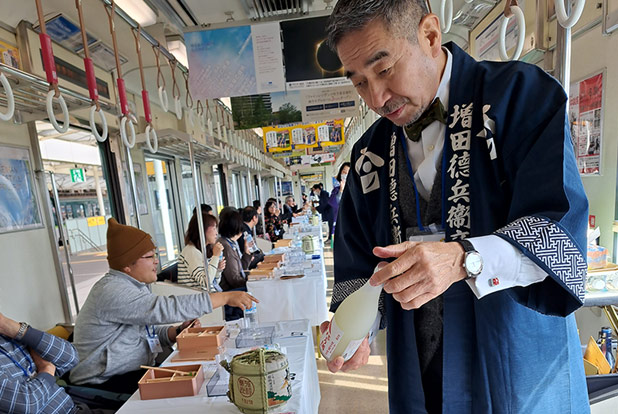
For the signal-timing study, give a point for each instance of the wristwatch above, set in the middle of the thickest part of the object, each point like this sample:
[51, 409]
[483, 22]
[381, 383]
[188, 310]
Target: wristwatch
[473, 261]
[23, 326]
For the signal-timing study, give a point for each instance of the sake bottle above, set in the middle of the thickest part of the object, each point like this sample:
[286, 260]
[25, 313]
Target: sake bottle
[353, 320]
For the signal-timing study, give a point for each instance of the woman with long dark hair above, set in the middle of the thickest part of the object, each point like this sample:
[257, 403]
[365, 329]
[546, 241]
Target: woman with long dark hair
[274, 229]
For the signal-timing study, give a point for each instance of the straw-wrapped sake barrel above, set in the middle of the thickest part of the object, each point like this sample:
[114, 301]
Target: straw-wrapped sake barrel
[259, 380]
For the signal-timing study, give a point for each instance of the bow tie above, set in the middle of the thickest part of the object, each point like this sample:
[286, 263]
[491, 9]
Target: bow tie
[435, 112]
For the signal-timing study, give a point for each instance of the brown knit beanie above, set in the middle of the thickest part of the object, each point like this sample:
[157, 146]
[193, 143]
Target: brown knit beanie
[125, 244]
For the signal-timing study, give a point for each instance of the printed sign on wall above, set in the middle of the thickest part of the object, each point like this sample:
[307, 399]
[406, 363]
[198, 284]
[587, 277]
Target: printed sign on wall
[329, 103]
[585, 118]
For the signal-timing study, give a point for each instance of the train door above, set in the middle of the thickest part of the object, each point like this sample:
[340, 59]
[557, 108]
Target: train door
[82, 202]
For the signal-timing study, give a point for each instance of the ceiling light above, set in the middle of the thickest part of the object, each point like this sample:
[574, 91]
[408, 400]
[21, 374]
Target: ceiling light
[139, 11]
[179, 50]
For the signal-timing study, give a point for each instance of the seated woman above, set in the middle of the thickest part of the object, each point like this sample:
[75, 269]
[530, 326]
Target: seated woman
[233, 276]
[191, 263]
[274, 228]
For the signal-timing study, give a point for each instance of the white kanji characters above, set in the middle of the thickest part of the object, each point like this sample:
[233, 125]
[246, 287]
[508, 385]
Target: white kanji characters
[458, 216]
[460, 235]
[460, 192]
[460, 141]
[465, 114]
[459, 165]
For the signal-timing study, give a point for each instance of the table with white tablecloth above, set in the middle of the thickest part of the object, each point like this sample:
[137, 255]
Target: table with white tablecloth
[296, 342]
[287, 299]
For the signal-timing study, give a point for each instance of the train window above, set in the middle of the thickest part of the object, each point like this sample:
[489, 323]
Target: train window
[188, 195]
[236, 189]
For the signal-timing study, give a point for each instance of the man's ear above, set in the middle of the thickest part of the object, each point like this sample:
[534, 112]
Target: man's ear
[430, 35]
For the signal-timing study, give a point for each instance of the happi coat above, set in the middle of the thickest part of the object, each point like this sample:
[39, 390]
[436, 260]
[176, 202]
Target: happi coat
[508, 169]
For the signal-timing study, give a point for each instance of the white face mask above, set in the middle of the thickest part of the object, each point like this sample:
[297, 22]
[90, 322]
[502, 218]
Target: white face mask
[344, 177]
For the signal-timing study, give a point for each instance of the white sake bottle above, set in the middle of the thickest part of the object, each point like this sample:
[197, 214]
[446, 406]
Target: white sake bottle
[354, 319]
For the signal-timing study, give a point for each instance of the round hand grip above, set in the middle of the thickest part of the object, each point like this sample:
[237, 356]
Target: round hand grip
[10, 99]
[50, 112]
[445, 23]
[93, 125]
[521, 35]
[569, 21]
[163, 99]
[155, 146]
[178, 107]
[123, 132]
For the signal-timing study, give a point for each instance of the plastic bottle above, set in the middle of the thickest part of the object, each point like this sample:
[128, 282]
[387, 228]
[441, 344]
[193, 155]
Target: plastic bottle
[250, 316]
[352, 322]
[606, 345]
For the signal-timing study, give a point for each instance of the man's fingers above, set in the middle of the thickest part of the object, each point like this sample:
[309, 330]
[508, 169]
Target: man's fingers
[395, 268]
[418, 301]
[393, 250]
[335, 365]
[324, 326]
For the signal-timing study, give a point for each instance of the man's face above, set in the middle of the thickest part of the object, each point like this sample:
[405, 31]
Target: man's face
[290, 202]
[397, 79]
[145, 268]
[253, 221]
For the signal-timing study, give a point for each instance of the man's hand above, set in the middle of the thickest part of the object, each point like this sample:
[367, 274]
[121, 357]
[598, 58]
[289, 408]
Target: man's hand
[241, 300]
[41, 364]
[421, 272]
[360, 357]
[8, 327]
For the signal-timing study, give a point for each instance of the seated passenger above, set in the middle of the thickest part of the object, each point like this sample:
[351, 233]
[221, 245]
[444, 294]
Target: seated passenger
[120, 327]
[255, 256]
[230, 230]
[191, 262]
[29, 359]
[274, 229]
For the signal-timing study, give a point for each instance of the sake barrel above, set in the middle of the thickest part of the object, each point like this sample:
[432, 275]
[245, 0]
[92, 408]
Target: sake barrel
[259, 380]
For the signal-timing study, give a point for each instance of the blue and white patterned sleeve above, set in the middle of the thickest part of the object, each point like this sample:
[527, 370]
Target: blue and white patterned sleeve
[53, 349]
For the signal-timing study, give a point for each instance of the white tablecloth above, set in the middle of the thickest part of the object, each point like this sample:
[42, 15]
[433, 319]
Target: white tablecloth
[305, 387]
[289, 299]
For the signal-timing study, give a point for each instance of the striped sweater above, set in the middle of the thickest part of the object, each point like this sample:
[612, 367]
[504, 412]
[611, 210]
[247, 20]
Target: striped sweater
[191, 269]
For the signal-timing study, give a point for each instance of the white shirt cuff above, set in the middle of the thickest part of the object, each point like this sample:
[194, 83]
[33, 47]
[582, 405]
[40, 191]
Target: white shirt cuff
[504, 266]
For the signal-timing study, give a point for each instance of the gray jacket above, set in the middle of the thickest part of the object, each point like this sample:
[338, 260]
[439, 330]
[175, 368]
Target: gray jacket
[110, 331]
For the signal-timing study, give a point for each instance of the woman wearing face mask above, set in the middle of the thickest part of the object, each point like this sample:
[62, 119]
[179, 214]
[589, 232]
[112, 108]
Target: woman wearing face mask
[335, 195]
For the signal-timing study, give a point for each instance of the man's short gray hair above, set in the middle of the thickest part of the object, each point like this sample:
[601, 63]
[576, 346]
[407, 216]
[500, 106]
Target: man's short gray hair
[400, 17]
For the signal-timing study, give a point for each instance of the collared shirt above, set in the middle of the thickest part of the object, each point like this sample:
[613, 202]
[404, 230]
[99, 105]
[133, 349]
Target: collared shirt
[37, 393]
[502, 262]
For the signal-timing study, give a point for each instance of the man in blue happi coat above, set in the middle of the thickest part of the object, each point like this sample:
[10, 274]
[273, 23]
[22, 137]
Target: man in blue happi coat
[468, 186]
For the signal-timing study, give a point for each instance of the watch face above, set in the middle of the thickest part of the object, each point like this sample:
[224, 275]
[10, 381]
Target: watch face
[474, 263]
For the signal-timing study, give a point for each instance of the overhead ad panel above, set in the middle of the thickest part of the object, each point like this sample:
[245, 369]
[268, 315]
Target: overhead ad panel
[309, 62]
[235, 61]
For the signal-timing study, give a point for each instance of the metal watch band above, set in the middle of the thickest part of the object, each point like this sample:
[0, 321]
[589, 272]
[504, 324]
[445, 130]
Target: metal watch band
[23, 326]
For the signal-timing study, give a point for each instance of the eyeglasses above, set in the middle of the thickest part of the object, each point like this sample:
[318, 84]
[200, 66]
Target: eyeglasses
[153, 257]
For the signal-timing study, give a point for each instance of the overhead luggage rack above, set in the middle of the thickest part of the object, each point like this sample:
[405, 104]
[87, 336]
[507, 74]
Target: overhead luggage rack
[173, 142]
[30, 93]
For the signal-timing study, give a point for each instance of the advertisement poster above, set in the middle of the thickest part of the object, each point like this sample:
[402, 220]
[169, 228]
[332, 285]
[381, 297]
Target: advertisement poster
[324, 104]
[19, 209]
[9, 55]
[235, 61]
[309, 62]
[66, 33]
[299, 136]
[586, 119]
[257, 111]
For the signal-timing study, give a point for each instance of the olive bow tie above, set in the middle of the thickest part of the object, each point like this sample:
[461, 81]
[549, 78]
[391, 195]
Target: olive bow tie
[435, 112]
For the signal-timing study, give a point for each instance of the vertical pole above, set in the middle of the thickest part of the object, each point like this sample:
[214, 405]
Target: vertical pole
[65, 241]
[563, 47]
[133, 186]
[97, 187]
[261, 201]
[198, 212]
